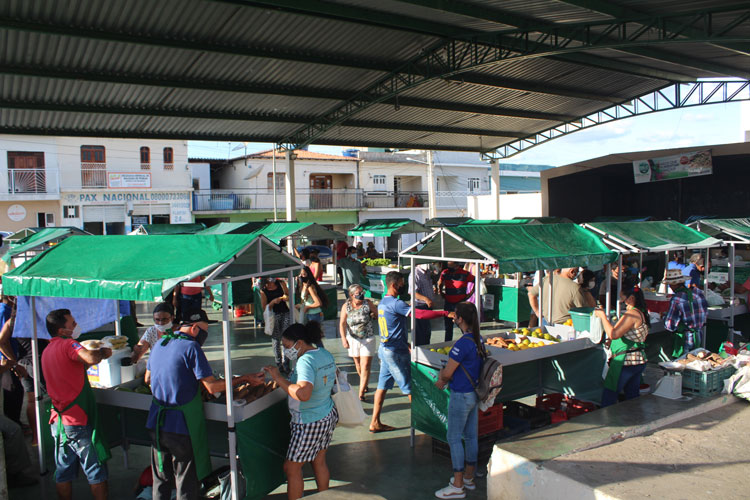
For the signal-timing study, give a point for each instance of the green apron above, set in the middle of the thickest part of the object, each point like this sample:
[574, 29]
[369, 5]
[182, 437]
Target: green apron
[196, 424]
[680, 335]
[87, 401]
[620, 347]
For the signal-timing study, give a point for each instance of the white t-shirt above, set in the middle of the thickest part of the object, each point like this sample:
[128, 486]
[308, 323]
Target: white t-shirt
[151, 335]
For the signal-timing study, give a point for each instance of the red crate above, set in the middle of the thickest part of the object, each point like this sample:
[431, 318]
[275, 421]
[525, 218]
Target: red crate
[491, 420]
[558, 416]
[550, 402]
[577, 407]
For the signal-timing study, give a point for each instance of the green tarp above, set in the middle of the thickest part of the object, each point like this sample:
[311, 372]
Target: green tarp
[277, 231]
[522, 247]
[498, 222]
[655, 236]
[234, 228]
[387, 227]
[127, 268]
[446, 221]
[38, 239]
[739, 228]
[164, 229]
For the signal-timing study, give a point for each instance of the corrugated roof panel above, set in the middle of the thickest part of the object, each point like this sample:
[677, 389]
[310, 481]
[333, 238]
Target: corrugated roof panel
[354, 135]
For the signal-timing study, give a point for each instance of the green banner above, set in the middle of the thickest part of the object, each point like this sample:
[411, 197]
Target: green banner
[429, 405]
[673, 167]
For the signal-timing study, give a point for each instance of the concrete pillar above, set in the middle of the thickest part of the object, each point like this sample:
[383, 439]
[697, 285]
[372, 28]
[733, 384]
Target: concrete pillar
[431, 201]
[495, 188]
[291, 201]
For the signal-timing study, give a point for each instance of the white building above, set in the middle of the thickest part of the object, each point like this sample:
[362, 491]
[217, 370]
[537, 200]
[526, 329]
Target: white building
[104, 186]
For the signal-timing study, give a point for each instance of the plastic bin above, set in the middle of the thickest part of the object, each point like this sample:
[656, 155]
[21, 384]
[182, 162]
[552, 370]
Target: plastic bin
[581, 317]
[577, 407]
[537, 418]
[513, 426]
[705, 383]
[491, 421]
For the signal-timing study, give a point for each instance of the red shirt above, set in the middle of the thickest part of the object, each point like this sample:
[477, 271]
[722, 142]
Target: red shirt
[64, 373]
[192, 290]
[341, 249]
[456, 281]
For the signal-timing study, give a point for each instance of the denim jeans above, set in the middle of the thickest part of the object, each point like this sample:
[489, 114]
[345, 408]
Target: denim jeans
[463, 422]
[448, 322]
[78, 450]
[629, 382]
[422, 329]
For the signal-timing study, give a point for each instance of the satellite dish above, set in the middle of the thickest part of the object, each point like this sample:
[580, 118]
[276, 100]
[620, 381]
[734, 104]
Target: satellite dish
[253, 172]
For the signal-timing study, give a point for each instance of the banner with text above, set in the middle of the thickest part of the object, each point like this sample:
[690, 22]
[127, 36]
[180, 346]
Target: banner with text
[128, 180]
[673, 167]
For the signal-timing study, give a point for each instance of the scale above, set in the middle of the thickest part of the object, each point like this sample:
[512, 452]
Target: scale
[670, 385]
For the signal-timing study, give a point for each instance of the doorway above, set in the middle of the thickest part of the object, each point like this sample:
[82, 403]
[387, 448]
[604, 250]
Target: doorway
[321, 191]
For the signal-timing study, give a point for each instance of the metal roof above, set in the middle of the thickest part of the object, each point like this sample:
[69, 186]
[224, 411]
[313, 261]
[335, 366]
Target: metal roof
[470, 75]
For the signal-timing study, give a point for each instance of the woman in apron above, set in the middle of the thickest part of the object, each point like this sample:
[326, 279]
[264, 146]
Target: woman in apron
[628, 342]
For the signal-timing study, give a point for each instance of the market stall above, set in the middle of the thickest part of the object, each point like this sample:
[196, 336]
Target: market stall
[167, 229]
[544, 364]
[654, 237]
[146, 269]
[446, 221]
[35, 241]
[374, 284]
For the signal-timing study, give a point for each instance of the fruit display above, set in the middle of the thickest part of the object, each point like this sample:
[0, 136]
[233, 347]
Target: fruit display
[252, 392]
[537, 334]
[442, 350]
[116, 341]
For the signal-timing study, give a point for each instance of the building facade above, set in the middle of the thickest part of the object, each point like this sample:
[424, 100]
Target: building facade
[103, 186]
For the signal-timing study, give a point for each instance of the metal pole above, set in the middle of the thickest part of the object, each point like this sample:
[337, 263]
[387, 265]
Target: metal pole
[118, 327]
[640, 268]
[608, 294]
[541, 296]
[413, 319]
[477, 293]
[230, 407]
[37, 388]
[292, 310]
[551, 295]
[431, 203]
[731, 265]
[619, 283]
[275, 204]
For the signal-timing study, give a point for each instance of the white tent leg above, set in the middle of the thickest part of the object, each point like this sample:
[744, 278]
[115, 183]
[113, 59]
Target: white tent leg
[230, 407]
[608, 294]
[620, 276]
[477, 293]
[118, 327]
[37, 388]
[551, 295]
[731, 288]
[413, 287]
[292, 309]
[541, 299]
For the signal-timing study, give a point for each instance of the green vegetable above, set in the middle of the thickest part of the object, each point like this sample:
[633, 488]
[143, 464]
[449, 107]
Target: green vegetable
[376, 262]
[142, 389]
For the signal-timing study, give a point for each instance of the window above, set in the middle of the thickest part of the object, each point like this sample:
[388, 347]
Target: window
[145, 158]
[280, 180]
[378, 182]
[473, 184]
[93, 154]
[71, 212]
[45, 219]
[168, 159]
[26, 172]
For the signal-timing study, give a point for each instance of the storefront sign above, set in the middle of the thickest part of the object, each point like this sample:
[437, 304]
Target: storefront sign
[139, 220]
[488, 302]
[181, 212]
[673, 167]
[119, 198]
[16, 213]
[128, 180]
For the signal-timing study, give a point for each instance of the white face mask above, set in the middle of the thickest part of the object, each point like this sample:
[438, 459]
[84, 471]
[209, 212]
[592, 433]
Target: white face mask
[291, 353]
[76, 332]
[592, 284]
[161, 328]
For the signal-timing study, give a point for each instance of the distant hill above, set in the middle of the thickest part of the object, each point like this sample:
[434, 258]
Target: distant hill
[523, 167]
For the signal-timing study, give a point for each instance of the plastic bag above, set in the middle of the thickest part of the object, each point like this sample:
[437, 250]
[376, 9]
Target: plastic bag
[269, 319]
[348, 405]
[713, 298]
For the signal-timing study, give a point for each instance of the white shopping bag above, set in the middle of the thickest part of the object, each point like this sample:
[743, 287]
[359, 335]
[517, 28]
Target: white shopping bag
[269, 319]
[351, 413]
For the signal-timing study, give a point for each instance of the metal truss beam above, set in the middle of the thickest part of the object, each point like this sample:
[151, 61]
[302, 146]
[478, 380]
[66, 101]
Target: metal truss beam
[524, 22]
[453, 57]
[248, 88]
[248, 117]
[289, 54]
[675, 96]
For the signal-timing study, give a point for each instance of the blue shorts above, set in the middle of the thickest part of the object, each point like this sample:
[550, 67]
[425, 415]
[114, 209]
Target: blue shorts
[77, 450]
[395, 366]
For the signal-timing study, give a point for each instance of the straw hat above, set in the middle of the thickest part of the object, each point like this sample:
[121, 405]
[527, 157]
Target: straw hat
[674, 276]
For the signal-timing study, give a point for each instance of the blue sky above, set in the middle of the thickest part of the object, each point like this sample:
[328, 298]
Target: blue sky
[686, 127]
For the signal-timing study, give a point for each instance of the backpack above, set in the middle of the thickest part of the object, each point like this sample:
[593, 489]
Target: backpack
[490, 381]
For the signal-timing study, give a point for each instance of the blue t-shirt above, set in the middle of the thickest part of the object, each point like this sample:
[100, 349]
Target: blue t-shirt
[392, 313]
[175, 370]
[5, 312]
[675, 265]
[693, 274]
[318, 368]
[464, 351]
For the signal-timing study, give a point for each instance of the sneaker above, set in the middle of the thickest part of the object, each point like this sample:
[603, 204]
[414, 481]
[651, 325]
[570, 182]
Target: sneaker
[469, 484]
[450, 491]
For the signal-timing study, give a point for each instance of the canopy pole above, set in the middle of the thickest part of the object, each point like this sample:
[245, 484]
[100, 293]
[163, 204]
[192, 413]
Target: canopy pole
[230, 407]
[275, 202]
[608, 294]
[413, 319]
[731, 265]
[551, 295]
[477, 292]
[118, 326]
[398, 257]
[37, 388]
[541, 296]
[619, 283]
[292, 310]
[640, 268]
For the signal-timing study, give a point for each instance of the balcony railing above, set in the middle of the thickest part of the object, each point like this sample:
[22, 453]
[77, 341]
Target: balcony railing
[93, 175]
[262, 199]
[32, 180]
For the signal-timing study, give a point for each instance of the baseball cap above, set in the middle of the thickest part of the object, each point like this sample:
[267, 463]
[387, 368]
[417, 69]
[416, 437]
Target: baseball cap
[196, 317]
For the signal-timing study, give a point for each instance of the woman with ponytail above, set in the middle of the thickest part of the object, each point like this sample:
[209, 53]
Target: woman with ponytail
[314, 416]
[628, 343]
[462, 372]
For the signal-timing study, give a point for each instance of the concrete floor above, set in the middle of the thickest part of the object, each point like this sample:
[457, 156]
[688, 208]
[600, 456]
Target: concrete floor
[361, 464]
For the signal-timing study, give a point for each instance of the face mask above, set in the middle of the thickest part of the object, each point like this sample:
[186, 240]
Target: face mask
[291, 353]
[360, 296]
[161, 328]
[201, 337]
[402, 289]
[592, 284]
[76, 332]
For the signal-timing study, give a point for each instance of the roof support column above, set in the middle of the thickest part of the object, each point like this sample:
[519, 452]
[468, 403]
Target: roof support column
[291, 201]
[431, 202]
[495, 188]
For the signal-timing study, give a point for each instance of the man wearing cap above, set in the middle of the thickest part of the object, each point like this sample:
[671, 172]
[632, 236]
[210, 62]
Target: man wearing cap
[177, 368]
[688, 310]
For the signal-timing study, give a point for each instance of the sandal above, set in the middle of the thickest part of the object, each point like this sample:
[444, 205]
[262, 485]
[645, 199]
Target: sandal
[363, 398]
[382, 428]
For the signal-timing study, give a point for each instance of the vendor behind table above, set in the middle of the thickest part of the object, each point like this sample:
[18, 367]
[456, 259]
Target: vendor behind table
[566, 293]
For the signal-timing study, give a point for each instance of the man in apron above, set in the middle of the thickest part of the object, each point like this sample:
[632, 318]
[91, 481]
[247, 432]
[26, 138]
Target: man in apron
[74, 420]
[176, 368]
[687, 314]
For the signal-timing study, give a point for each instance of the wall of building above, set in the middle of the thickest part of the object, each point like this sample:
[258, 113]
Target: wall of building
[511, 205]
[234, 177]
[13, 218]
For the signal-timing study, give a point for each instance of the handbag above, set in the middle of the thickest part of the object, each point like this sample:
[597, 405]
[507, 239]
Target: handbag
[348, 405]
[269, 319]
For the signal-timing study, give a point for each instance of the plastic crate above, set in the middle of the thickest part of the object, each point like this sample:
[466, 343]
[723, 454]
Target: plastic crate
[513, 426]
[577, 407]
[705, 383]
[490, 421]
[581, 317]
[550, 402]
[537, 418]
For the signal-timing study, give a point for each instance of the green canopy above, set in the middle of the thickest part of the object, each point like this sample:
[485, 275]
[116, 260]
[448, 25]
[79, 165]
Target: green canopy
[519, 247]
[276, 231]
[38, 239]
[144, 268]
[652, 236]
[737, 228]
[446, 221]
[233, 228]
[491, 222]
[163, 229]
[387, 227]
